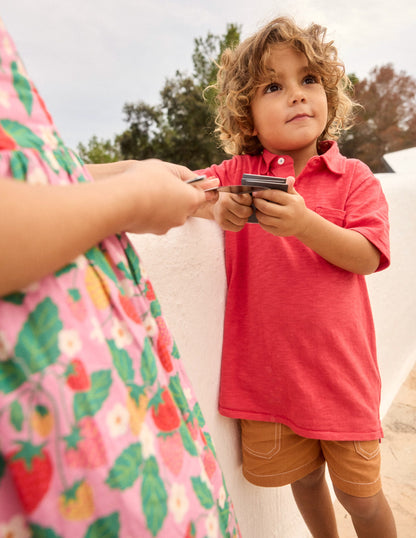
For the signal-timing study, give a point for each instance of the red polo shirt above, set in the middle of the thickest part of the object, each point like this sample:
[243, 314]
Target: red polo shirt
[299, 343]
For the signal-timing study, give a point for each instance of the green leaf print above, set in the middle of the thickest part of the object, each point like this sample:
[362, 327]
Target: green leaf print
[64, 159]
[153, 496]
[175, 351]
[148, 367]
[2, 466]
[66, 269]
[187, 440]
[122, 361]
[22, 135]
[16, 415]
[178, 394]
[199, 416]
[126, 468]
[15, 298]
[202, 492]
[224, 514]
[155, 308]
[209, 441]
[42, 532]
[11, 376]
[37, 343]
[75, 294]
[123, 268]
[105, 527]
[97, 259]
[88, 403]
[22, 87]
[19, 164]
[134, 263]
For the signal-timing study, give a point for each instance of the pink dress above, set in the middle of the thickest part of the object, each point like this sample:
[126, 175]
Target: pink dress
[101, 434]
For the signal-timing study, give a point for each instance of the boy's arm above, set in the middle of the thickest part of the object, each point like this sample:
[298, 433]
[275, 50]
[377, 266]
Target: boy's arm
[344, 248]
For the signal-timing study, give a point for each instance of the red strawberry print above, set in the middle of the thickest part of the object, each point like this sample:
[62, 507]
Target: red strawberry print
[77, 307]
[209, 462]
[193, 426]
[129, 308]
[190, 531]
[164, 412]
[172, 451]
[164, 345]
[86, 448]
[150, 294]
[31, 468]
[6, 141]
[77, 377]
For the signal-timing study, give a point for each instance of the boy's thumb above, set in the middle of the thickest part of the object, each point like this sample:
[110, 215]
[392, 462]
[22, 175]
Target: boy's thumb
[290, 180]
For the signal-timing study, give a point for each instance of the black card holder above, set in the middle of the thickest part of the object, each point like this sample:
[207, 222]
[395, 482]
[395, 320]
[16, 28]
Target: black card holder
[268, 182]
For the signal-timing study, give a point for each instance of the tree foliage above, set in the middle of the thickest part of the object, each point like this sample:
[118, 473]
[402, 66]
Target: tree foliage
[180, 129]
[387, 120]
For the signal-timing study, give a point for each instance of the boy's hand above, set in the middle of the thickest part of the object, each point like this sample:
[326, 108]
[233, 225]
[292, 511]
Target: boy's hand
[281, 213]
[232, 211]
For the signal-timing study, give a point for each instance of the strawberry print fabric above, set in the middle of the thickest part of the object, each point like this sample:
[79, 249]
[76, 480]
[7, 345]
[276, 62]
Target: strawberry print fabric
[101, 434]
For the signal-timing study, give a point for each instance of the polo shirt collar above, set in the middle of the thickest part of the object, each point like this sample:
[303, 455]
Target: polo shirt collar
[330, 156]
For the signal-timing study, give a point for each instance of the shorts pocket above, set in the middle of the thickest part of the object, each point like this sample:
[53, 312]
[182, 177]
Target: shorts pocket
[337, 216]
[261, 439]
[367, 449]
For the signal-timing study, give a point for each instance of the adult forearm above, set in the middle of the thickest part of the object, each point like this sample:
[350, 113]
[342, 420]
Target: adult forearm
[43, 227]
[344, 248]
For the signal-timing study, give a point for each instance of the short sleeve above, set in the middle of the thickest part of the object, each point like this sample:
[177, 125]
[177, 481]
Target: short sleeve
[367, 211]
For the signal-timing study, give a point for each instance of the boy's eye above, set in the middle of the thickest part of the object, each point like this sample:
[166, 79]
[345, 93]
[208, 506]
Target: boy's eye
[273, 87]
[310, 79]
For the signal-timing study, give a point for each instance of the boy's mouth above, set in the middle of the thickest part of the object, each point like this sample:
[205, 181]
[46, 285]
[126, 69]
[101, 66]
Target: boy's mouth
[299, 117]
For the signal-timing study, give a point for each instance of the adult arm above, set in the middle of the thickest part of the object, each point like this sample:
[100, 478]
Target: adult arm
[44, 227]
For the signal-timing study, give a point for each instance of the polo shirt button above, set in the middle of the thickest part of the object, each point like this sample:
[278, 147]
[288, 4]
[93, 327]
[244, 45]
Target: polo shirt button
[280, 160]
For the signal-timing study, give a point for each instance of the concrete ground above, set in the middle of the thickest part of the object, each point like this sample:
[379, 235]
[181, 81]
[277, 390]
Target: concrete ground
[398, 471]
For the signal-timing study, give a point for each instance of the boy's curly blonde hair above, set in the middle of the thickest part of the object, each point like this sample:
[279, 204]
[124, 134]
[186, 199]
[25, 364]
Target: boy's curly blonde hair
[243, 70]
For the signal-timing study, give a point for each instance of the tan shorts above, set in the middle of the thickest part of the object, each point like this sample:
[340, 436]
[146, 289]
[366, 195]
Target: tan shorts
[273, 455]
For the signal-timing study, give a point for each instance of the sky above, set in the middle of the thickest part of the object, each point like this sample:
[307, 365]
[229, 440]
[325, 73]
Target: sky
[90, 57]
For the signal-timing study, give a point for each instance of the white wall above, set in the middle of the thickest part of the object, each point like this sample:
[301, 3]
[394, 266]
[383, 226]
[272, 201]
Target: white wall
[187, 270]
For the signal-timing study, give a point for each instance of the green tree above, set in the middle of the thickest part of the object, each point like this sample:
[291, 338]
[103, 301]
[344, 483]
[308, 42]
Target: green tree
[99, 151]
[387, 121]
[181, 128]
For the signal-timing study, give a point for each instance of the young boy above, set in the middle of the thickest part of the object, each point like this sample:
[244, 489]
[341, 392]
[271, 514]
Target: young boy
[299, 364]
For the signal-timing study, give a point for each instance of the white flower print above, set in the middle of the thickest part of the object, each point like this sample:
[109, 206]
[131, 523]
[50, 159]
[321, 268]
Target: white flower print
[51, 159]
[118, 420]
[222, 496]
[147, 439]
[15, 528]
[48, 136]
[121, 334]
[81, 261]
[127, 286]
[178, 502]
[7, 46]
[150, 325]
[69, 342]
[96, 333]
[37, 177]
[34, 286]
[4, 99]
[4, 347]
[188, 394]
[212, 525]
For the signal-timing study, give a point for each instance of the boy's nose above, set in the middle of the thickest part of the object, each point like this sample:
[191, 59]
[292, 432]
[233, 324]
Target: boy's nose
[297, 96]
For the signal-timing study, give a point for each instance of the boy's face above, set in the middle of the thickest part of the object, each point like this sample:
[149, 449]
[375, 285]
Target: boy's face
[290, 110]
